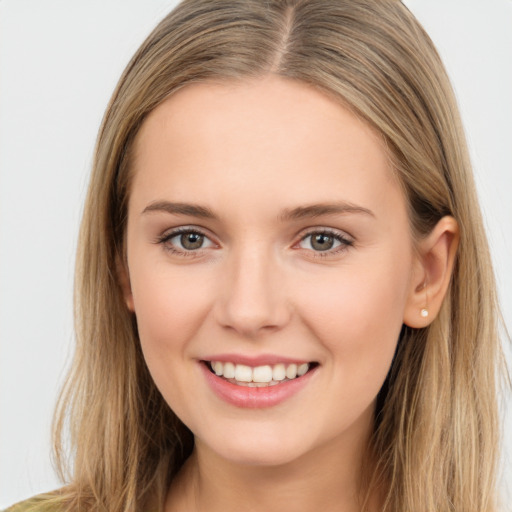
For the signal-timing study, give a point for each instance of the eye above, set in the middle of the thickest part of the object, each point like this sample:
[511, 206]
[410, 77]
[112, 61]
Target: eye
[324, 241]
[185, 240]
[189, 241]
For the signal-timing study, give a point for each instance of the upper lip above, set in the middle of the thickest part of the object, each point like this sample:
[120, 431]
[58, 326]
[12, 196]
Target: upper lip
[259, 360]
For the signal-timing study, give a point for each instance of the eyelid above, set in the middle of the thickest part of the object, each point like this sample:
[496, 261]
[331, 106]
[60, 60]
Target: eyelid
[343, 237]
[325, 230]
[169, 234]
[345, 240]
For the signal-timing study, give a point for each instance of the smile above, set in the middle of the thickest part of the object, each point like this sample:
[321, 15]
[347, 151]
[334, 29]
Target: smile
[265, 385]
[258, 376]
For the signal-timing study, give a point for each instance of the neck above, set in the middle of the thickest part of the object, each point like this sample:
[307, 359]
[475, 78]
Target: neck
[326, 479]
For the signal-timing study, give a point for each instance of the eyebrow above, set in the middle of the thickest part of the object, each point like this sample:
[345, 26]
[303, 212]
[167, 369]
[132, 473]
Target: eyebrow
[191, 210]
[301, 212]
[317, 210]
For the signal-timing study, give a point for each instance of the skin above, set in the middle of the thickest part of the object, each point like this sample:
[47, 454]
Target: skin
[251, 152]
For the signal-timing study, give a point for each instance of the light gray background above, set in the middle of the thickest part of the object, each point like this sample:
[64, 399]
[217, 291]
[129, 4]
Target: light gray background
[59, 62]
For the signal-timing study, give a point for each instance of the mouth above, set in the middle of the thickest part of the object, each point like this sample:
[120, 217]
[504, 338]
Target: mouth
[259, 376]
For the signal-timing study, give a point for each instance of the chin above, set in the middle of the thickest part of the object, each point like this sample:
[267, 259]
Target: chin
[257, 446]
[259, 456]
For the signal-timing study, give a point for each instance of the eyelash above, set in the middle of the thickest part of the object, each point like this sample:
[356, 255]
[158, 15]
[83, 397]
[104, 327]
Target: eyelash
[345, 242]
[164, 239]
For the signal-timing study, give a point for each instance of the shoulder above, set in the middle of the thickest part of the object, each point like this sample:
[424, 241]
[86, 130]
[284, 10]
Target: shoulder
[47, 502]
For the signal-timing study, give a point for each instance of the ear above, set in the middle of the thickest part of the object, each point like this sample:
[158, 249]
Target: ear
[123, 275]
[432, 270]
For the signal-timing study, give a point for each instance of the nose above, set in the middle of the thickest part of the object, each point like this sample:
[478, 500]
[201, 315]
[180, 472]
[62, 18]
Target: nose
[252, 296]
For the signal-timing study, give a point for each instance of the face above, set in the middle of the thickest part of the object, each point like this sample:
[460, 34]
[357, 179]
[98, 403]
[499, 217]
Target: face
[267, 239]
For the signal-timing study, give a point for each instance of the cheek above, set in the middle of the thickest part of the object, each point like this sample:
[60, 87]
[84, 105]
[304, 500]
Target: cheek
[358, 316]
[169, 307]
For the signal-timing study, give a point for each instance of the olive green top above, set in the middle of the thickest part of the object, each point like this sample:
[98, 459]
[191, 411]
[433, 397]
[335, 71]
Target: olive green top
[39, 503]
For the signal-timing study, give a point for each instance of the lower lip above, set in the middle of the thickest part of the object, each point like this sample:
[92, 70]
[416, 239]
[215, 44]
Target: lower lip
[254, 398]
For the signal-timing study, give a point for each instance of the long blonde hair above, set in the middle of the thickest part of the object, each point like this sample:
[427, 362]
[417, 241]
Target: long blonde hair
[436, 430]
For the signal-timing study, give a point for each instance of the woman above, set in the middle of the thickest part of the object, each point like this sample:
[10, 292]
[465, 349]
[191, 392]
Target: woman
[283, 285]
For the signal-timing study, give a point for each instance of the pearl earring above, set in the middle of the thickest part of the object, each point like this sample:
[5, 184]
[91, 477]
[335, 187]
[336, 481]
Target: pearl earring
[424, 311]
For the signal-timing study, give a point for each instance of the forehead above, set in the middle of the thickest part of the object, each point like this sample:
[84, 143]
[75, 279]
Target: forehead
[271, 137]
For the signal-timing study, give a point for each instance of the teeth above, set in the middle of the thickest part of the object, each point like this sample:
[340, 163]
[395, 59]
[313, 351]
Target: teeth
[302, 369]
[278, 372]
[217, 368]
[243, 373]
[262, 374]
[229, 370]
[259, 376]
[291, 371]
